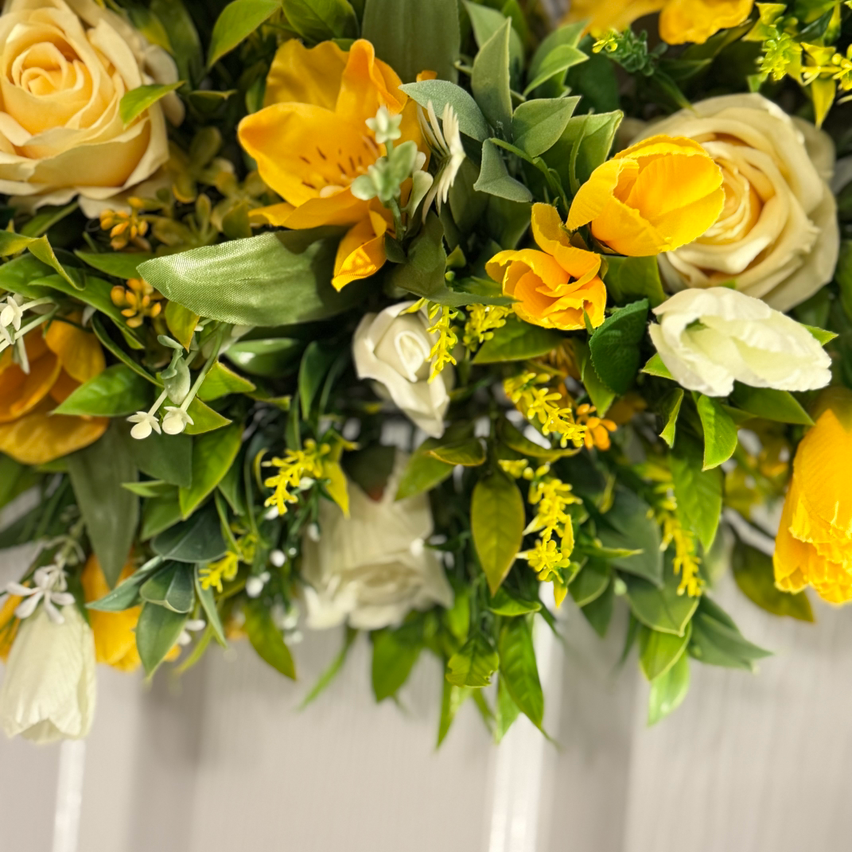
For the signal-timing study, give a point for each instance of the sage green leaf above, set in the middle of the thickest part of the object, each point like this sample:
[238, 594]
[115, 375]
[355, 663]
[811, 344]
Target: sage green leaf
[507, 710]
[452, 698]
[414, 35]
[698, 492]
[109, 511]
[279, 278]
[755, 576]
[497, 524]
[661, 609]
[504, 603]
[629, 524]
[716, 640]
[668, 690]
[394, 654]
[569, 34]
[630, 278]
[770, 404]
[137, 100]
[423, 272]
[656, 367]
[440, 93]
[159, 514]
[485, 22]
[599, 612]
[600, 393]
[519, 669]
[669, 410]
[198, 539]
[116, 392]
[118, 264]
[423, 471]
[538, 125]
[658, 652]
[490, 80]
[163, 457]
[267, 640]
[720, 431]
[614, 346]
[316, 362]
[237, 22]
[494, 177]
[555, 64]
[208, 604]
[221, 381]
[474, 664]
[590, 583]
[157, 632]
[321, 20]
[469, 453]
[172, 587]
[517, 341]
[584, 145]
[212, 456]
[268, 358]
[126, 593]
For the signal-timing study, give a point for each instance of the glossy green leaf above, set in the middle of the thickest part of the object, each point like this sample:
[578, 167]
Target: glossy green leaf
[630, 278]
[614, 346]
[204, 419]
[321, 20]
[172, 587]
[668, 690]
[504, 603]
[163, 457]
[116, 392]
[39, 247]
[469, 453]
[494, 177]
[669, 410]
[118, 264]
[490, 79]
[316, 362]
[267, 358]
[517, 341]
[538, 125]
[770, 404]
[590, 583]
[137, 100]
[658, 652]
[474, 664]
[497, 523]
[720, 431]
[440, 93]
[198, 539]
[656, 367]
[394, 654]
[423, 471]
[698, 492]
[267, 640]
[601, 394]
[237, 22]
[212, 456]
[126, 593]
[157, 632]
[519, 670]
[221, 381]
[755, 576]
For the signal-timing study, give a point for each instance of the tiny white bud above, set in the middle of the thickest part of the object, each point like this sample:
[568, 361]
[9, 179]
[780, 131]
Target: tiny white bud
[254, 586]
[141, 430]
[277, 558]
[271, 513]
[313, 532]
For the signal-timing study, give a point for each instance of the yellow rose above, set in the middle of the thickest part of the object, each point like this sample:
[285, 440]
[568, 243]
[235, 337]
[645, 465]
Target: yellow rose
[814, 543]
[680, 20]
[64, 67]
[60, 360]
[553, 287]
[654, 196]
[311, 141]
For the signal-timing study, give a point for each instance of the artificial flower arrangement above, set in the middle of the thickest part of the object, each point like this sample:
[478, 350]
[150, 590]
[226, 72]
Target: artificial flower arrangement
[415, 318]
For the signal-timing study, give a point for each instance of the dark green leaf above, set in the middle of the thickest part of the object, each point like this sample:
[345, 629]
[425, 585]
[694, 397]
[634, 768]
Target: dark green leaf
[320, 20]
[269, 358]
[423, 472]
[630, 525]
[599, 392]
[504, 603]
[316, 362]
[163, 457]
[497, 523]
[118, 264]
[755, 576]
[698, 492]
[517, 341]
[212, 456]
[440, 93]
[660, 609]
[599, 612]
[116, 392]
[770, 404]
[197, 540]
[590, 583]
[159, 514]
[267, 640]
[494, 177]
[716, 640]
[630, 278]
[157, 632]
[172, 587]
[614, 346]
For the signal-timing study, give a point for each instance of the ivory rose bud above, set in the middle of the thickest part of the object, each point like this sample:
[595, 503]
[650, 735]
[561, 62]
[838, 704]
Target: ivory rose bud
[48, 690]
[393, 348]
[373, 568]
[64, 67]
[777, 238]
[553, 287]
[814, 543]
[654, 196]
[708, 339]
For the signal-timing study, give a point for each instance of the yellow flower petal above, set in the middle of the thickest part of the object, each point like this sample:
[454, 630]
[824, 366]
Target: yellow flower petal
[78, 350]
[21, 392]
[367, 84]
[593, 196]
[361, 252]
[683, 21]
[305, 75]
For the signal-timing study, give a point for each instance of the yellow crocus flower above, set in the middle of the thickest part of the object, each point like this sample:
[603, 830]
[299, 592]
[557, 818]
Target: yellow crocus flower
[311, 142]
[814, 543]
[654, 196]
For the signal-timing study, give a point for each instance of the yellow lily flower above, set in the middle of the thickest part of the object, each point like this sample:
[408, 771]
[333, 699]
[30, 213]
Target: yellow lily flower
[654, 196]
[60, 360]
[554, 286]
[814, 543]
[311, 141]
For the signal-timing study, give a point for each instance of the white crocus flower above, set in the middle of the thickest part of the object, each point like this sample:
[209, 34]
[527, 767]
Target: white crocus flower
[708, 339]
[49, 688]
[445, 140]
[50, 587]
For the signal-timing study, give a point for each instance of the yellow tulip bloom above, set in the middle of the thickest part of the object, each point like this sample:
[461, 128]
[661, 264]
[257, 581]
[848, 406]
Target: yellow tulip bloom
[681, 21]
[311, 141]
[654, 196]
[814, 543]
[554, 286]
[60, 360]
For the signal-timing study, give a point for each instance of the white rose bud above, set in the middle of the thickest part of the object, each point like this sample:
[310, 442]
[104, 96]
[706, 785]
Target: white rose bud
[393, 349]
[708, 339]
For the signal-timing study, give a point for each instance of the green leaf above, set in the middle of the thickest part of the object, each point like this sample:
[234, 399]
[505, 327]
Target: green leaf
[720, 431]
[332, 671]
[208, 604]
[423, 272]
[584, 145]
[268, 358]
[237, 22]
[716, 640]
[221, 381]
[137, 100]
[490, 79]
[163, 457]
[486, 22]
[47, 216]
[822, 335]
[555, 64]
[197, 540]
[204, 418]
[538, 125]
[631, 278]
[118, 264]
[590, 583]
[614, 346]
[507, 710]
[669, 410]
[519, 670]
[565, 35]
[212, 456]
[517, 341]
[279, 278]
[423, 471]
[497, 523]
[504, 603]
[516, 441]
[474, 664]
[15, 478]
[267, 640]
[630, 525]
[599, 612]
[39, 247]
[452, 698]
[394, 654]
[440, 93]
[698, 492]
[770, 404]
[494, 177]
[181, 323]
[599, 392]
[316, 362]
[109, 511]
[414, 35]
[150, 488]
[183, 41]
[755, 576]
[658, 652]
[157, 632]
[656, 367]
[661, 609]
[172, 587]
[321, 20]
[126, 593]
[159, 514]
[469, 453]
[668, 690]
[115, 392]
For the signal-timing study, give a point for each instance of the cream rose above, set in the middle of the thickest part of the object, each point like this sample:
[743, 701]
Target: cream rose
[708, 339]
[373, 567]
[393, 349]
[65, 65]
[777, 238]
[49, 687]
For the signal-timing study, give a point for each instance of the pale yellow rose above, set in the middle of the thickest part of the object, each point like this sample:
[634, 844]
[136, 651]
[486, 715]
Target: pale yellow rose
[64, 67]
